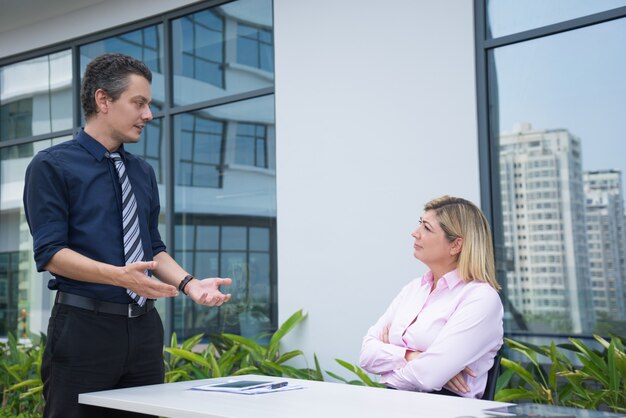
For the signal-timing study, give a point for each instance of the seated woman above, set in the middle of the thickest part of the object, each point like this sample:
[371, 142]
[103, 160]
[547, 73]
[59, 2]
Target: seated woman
[444, 329]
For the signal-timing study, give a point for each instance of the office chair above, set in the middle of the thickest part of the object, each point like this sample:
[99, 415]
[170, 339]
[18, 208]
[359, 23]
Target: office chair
[492, 378]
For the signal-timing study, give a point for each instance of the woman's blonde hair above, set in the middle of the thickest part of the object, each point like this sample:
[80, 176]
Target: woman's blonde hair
[460, 218]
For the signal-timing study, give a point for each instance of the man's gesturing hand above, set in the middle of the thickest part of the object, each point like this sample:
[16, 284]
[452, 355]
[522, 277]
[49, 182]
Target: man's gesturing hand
[207, 291]
[133, 277]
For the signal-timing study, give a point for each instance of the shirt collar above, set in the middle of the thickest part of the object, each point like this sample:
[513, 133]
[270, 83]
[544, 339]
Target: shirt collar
[95, 148]
[451, 279]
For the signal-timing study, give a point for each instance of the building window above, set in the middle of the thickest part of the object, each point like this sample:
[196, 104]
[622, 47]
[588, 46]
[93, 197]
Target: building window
[255, 47]
[223, 247]
[9, 283]
[210, 243]
[212, 110]
[251, 146]
[36, 96]
[16, 119]
[214, 56]
[200, 157]
[555, 129]
[201, 49]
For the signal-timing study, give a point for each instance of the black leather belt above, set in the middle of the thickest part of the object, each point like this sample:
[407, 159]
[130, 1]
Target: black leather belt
[130, 310]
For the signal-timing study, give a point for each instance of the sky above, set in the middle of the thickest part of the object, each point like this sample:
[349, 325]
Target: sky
[575, 80]
[512, 16]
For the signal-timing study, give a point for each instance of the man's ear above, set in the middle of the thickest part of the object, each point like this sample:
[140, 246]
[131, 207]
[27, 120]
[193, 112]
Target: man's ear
[456, 247]
[102, 101]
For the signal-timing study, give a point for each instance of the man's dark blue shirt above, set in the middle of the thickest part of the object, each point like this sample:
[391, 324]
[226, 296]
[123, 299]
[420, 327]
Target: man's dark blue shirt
[72, 199]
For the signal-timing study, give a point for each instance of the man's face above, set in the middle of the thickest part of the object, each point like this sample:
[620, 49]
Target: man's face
[128, 115]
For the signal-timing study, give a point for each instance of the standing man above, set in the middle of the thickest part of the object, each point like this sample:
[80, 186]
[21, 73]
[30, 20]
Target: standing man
[93, 211]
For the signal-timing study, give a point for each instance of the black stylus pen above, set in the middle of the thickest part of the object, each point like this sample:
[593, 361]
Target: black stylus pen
[278, 385]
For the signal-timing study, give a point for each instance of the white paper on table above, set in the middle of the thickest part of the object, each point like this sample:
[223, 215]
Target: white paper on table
[248, 387]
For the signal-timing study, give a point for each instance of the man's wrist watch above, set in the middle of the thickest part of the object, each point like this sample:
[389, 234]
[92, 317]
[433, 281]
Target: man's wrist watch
[184, 282]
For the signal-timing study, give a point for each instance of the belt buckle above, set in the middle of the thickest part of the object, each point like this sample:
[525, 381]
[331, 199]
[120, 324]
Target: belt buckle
[134, 310]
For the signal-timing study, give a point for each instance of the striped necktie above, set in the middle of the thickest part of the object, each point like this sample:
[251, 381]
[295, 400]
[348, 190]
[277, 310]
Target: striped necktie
[133, 247]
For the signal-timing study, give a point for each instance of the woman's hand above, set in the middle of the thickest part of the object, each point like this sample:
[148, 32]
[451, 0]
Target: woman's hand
[458, 383]
[410, 355]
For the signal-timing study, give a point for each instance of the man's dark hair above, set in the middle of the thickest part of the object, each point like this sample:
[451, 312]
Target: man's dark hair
[109, 72]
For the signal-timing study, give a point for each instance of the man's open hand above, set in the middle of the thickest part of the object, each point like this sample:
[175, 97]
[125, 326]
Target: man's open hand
[207, 291]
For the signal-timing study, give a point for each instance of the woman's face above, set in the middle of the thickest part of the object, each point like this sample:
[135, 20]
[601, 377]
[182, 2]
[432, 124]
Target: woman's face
[431, 246]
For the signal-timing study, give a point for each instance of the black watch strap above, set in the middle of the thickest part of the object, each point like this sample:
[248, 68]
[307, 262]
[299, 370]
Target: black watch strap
[184, 282]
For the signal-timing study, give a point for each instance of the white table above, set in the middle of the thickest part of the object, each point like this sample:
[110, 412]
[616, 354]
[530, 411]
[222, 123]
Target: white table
[317, 399]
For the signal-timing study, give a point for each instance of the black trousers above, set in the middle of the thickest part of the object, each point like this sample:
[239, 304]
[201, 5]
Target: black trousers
[88, 351]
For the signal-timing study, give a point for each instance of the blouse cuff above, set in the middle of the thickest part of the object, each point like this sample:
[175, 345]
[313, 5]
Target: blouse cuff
[397, 354]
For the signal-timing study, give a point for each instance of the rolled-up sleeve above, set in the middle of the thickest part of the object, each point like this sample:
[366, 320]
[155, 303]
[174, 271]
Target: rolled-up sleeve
[46, 207]
[473, 330]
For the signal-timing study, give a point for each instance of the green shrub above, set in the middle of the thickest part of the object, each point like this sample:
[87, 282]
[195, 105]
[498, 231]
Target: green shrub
[233, 355]
[549, 377]
[6, 413]
[20, 379]
[225, 355]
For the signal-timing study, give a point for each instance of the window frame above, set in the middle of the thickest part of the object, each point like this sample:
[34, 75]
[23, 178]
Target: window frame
[488, 147]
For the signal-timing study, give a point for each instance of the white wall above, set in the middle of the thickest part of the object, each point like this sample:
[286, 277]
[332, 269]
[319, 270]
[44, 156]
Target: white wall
[375, 115]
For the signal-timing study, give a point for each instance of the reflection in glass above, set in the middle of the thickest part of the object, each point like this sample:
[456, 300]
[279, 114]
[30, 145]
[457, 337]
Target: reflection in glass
[249, 311]
[144, 44]
[251, 144]
[150, 147]
[222, 51]
[558, 104]
[233, 238]
[36, 96]
[225, 217]
[506, 17]
[255, 47]
[201, 143]
[24, 297]
[202, 46]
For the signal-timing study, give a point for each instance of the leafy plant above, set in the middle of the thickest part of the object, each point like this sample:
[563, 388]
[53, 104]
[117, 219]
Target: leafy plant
[547, 374]
[600, 383]
[364, 379]
[181, 363]
[20, 378]
[6, 413]
[231, 355]
[225, 355]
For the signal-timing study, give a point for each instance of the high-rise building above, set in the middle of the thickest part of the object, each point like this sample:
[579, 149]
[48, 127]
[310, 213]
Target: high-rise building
[606, 239]
[544, 228]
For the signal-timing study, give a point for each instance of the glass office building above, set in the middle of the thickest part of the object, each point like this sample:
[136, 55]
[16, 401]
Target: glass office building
[211, 144]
